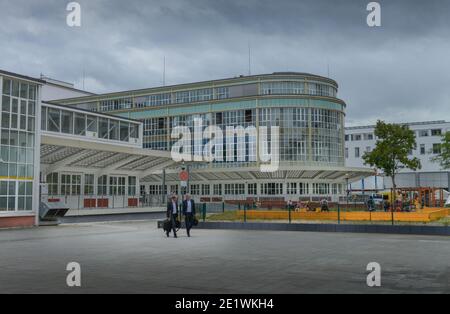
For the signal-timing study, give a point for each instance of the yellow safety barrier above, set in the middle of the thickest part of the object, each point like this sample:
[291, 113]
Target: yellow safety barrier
[425, 215]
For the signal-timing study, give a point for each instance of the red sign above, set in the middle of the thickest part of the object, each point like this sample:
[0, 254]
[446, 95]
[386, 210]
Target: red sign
[184, 176]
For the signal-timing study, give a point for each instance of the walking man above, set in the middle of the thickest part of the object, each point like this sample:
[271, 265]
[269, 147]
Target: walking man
[172, 214]
[189, 213]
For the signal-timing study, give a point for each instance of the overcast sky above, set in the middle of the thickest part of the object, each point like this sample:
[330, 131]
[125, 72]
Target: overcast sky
[397, 72]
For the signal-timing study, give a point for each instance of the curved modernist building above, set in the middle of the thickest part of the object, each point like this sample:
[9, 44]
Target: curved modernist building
[304, 106]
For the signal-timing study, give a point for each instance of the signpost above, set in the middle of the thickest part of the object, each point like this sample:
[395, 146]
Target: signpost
[184, 176]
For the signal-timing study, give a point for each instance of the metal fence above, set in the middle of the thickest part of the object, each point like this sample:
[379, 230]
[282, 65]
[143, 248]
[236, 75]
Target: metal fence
[89, 202]
[337, 213]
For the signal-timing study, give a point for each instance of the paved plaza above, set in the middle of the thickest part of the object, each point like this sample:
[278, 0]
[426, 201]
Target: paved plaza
[136, 257]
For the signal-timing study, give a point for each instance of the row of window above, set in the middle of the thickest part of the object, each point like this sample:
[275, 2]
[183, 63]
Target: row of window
[17, 142]
[71, 184]
[370, 136]
[435, 150]
[298, 88]
[16, 195]
[359, 137]
[218, 93]
[197, 95]
[20, 89]
[68, 122]
[292, 188]
[325, 136]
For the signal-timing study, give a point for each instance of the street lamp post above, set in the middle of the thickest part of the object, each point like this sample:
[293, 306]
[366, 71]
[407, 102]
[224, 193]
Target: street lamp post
[348, 190]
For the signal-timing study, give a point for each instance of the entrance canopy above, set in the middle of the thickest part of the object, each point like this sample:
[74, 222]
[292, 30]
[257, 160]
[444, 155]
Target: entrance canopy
[76, 140]
[81, 155]
[285, 172]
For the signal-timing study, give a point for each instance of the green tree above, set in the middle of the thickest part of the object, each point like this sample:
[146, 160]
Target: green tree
[391, 153]
[444, 156]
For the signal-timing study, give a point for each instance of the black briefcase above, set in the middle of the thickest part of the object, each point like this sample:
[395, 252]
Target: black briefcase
[195, 222]
[167, 225]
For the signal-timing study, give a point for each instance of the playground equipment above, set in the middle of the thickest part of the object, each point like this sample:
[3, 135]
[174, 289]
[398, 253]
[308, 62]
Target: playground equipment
[411, 199]
[447, 196]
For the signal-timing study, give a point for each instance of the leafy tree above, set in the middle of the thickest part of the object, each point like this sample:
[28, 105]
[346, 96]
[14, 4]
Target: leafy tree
[391, 153]
[444, 156]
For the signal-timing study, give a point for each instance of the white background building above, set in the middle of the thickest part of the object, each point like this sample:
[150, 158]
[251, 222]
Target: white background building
[359, 140]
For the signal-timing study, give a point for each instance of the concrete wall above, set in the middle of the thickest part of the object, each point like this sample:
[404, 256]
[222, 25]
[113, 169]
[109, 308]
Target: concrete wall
[53, 92]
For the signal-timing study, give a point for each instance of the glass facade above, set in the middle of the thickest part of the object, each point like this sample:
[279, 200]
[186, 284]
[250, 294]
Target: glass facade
[304, 107]
[54, 119]
[301, 85]
[17, 128]
[306, 134]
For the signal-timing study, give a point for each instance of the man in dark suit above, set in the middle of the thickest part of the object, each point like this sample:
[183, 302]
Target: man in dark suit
[189, 213]
[172, 215]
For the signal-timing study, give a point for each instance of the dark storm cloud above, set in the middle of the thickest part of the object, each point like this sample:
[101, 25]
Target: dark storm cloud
[399, 72]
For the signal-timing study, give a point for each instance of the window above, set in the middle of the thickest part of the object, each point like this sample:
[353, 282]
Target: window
[292, 188]
[52, 183]
[155, 189]
[70, 184]
[423, 133]
[80, 124]
[17, 145]
[103, 128]
[88, 184]
[321, 188]
[174, 189]
[66, 122]
[356, 137]
[53, 120]
[124, 131]
[303, 188]
[113, 130]
[357, 152]
[346, 153]
[206, 189]
[195, 189]
[248, 116]
[347, 137]
[102, 185]
[6, 86]
[131, 186]
[222, 92]
[92, 124]
[437, 149]
[436, 132]
[252, 189]
[368, 149]
[219, 118]
[272, 188]
[134, 131]
[234, 189]
[194, 95]
[121, 186]
[217, 189]
[116, 185]
[422, 149]
[76, 185]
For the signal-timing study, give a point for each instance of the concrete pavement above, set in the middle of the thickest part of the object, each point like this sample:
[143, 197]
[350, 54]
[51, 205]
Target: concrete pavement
[135, 257]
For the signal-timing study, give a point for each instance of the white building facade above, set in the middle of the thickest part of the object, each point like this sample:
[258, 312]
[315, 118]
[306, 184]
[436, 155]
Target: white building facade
[59, 154]
[361, 139]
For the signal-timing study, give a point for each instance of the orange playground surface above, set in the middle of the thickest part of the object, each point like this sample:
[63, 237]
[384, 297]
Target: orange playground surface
[422, 215]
